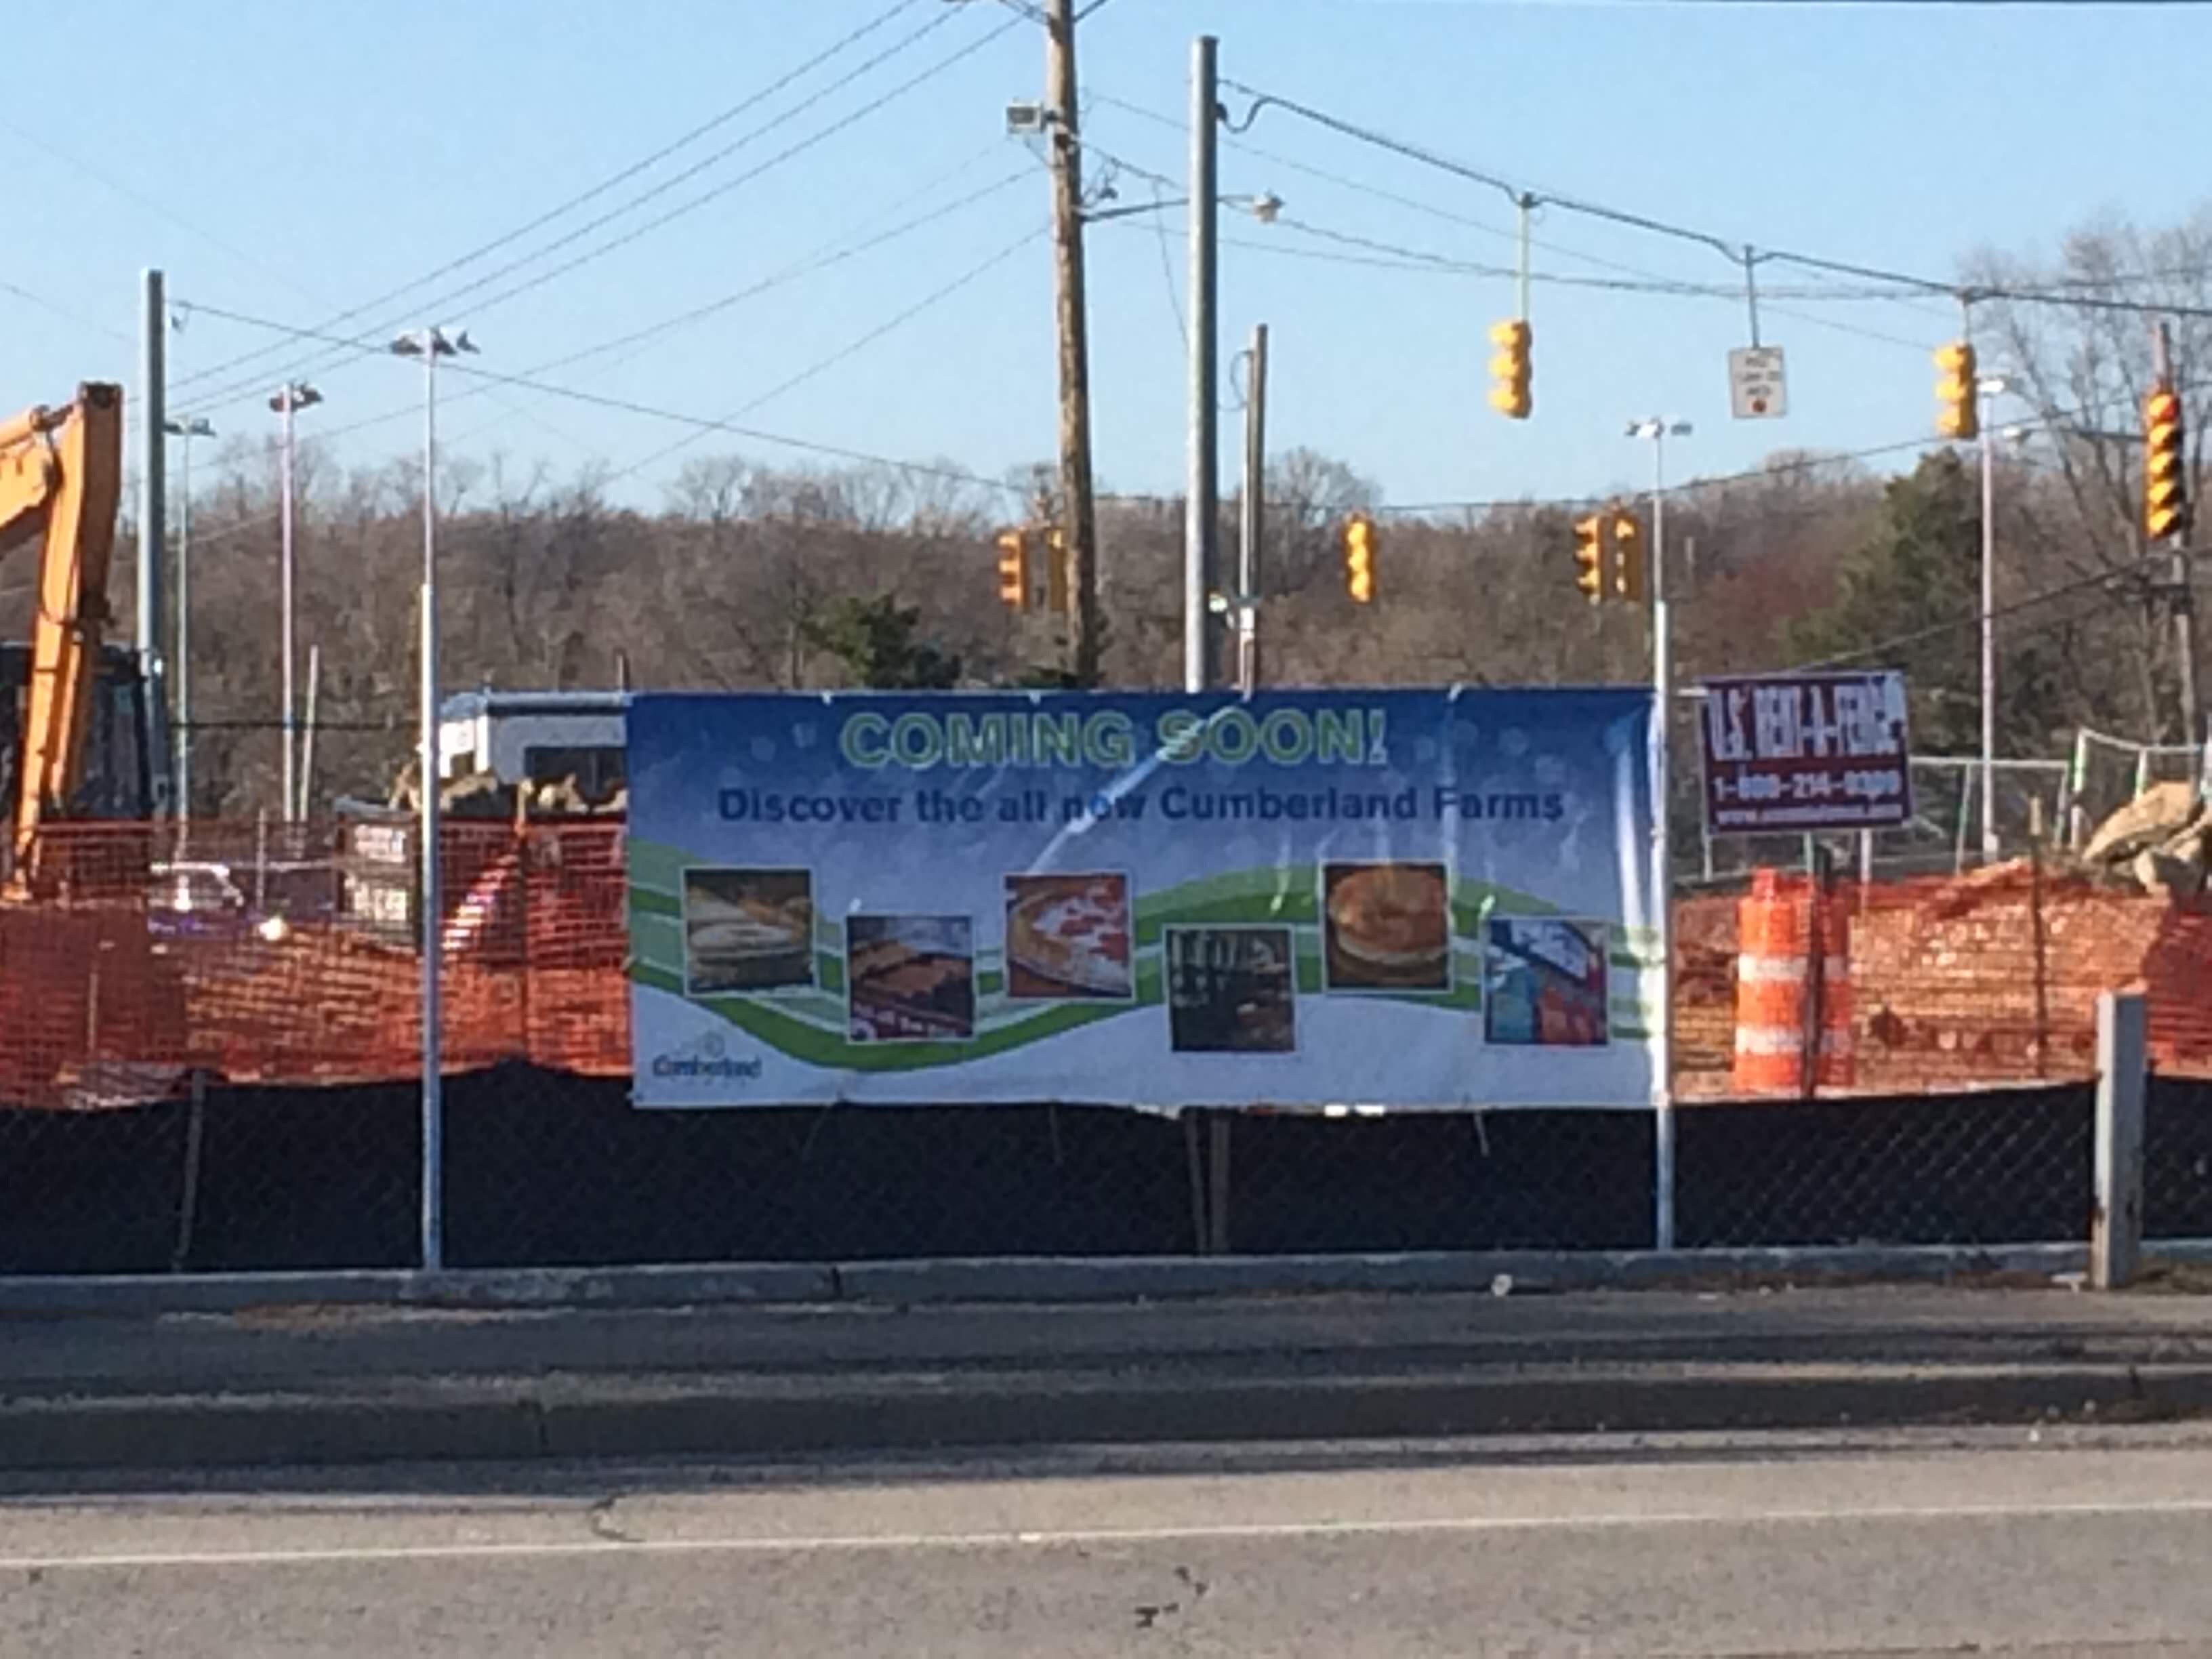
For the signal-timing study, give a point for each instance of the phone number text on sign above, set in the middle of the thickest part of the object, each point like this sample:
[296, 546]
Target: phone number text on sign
[1806, 752]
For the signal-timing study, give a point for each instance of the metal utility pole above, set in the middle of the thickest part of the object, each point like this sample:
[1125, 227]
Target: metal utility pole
[308, 739]
[1989, 631]
[181, 670]
[153, 472]
[1662, 852]
[1661, 907]
[1201, 642]
[288, 399]
[430, 345]
[1659, 430]
[1075, 487]
[1253, 523]
[2184, 599]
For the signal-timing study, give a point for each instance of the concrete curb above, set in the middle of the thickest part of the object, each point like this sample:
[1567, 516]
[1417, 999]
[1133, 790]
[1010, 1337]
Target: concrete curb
[1031, 1279]
[557, 1418]
[150, 1296]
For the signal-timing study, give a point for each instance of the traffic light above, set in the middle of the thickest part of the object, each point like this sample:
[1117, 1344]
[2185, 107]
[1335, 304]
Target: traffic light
[1589, 557]
[1510, 370]
[1056, 573]
[2166, 496]
[1958, 392]
[1361, 541]
[1628, 555]
[1014, 569]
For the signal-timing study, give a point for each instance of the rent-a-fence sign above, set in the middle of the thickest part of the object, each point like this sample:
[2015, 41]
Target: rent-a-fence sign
[1806, 752]
[1432, 898]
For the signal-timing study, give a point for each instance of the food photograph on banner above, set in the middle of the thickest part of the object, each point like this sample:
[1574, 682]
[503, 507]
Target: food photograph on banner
[1408, 899]
[1546, 982]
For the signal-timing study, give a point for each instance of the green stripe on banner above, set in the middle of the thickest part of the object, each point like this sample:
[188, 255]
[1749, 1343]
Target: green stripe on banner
[645, 902]
[1287, 894]
[830, 1050]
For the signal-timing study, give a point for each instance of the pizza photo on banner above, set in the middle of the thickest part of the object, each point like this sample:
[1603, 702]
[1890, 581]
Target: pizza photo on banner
[1435, 898]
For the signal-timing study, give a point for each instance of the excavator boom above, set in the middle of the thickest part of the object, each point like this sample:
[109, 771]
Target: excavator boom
[61, 478]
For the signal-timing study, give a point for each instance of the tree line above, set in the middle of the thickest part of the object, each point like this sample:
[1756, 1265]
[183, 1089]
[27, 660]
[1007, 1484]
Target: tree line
[753, 574]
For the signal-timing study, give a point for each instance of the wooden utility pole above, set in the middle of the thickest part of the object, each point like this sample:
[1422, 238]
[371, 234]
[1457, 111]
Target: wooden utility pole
[1087, 623]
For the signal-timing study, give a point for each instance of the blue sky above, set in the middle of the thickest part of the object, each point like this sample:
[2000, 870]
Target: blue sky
[290, 161]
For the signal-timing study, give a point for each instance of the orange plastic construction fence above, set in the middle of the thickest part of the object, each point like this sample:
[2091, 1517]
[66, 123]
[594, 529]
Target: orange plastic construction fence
[289, 956]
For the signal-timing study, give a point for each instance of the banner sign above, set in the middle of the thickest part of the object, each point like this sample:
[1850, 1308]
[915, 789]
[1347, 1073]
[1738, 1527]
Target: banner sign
[1806, 752]
[1435, 898]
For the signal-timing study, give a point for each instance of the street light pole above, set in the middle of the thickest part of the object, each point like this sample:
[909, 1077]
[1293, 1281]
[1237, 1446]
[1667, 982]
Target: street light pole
[195, 427]
[287, 400]
[1658, 430]
[1987, 389]
[1200, 648]
[1661, 909]
[430, 345]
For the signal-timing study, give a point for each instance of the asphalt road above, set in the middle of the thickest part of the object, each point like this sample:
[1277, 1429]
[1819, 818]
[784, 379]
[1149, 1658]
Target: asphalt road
[2058, 1542]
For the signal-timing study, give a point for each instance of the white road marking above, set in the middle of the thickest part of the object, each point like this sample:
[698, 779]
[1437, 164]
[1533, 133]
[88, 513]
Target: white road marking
[751, 1544]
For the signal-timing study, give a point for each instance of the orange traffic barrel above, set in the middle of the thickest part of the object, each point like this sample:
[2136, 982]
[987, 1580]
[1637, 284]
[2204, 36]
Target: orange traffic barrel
[1779, 984]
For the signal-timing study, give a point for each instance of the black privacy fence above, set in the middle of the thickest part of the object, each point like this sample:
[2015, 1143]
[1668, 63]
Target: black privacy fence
[548, 1169]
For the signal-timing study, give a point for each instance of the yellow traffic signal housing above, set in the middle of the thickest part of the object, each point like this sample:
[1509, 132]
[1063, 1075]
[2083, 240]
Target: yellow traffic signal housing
[1360, 543]
[1014, 569]
[1958, 392]
[1510, 370]
[1589, 557]
[1628, 555]
[2165, 492]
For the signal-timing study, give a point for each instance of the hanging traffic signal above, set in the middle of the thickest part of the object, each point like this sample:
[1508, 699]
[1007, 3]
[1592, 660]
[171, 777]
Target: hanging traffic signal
[1361, 541]
[1628, 555]
[1014, 569]
[1510, 369]
[2166, 494]
[1958, 390]
[1589, 557]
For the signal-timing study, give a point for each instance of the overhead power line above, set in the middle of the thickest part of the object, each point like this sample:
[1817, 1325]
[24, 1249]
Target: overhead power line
[568, 205]
[63, 312]
[860, 343]
[1379, 193]
[1659, 285]
[1740, 254]
[258, 264]
[1914, 296]
[825, 257]
[632, 406]
[1389, 257]
[373, 336]
[2060, 422]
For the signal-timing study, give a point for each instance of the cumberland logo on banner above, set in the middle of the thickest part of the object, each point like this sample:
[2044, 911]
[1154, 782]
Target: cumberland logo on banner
[1398, 898]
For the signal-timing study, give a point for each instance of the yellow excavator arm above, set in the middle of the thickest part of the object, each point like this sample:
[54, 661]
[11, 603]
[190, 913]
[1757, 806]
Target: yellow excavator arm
[61, 477]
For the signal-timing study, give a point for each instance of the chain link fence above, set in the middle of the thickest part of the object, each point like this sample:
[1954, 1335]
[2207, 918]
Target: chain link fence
[2106, 773]
[209, 1040]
